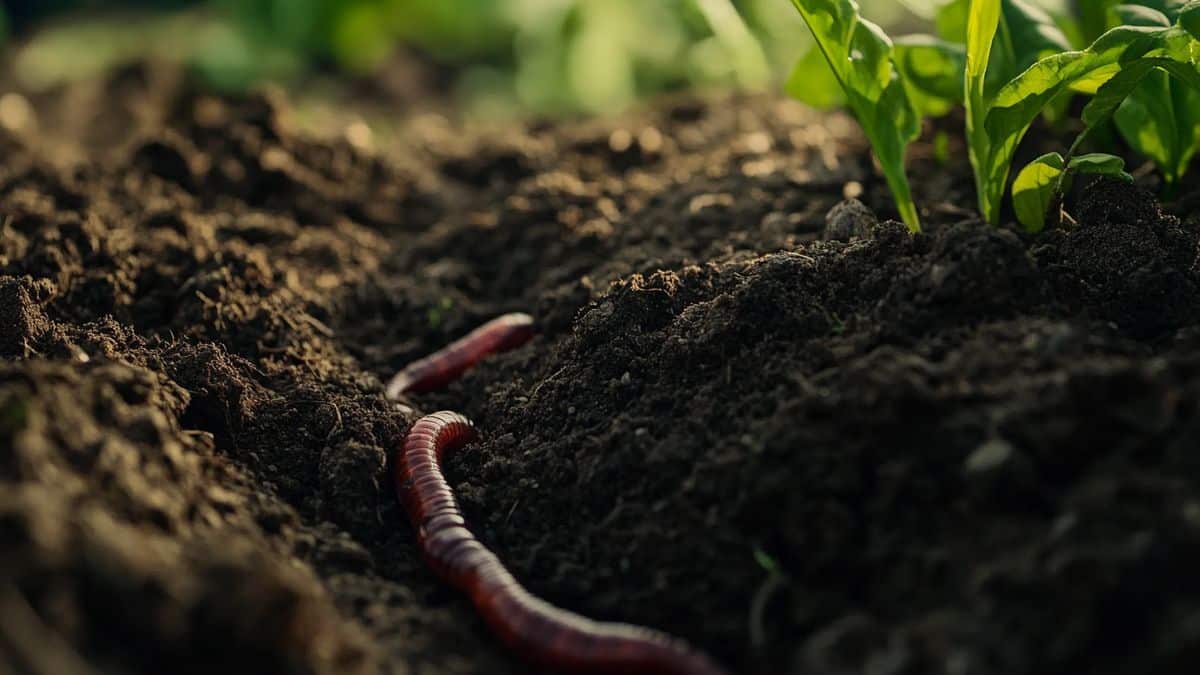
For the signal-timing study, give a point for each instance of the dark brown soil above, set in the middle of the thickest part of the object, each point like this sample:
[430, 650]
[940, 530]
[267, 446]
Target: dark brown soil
[964, 452]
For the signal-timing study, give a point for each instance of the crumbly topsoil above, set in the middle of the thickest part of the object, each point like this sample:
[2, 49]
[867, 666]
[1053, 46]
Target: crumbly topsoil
[965, 452]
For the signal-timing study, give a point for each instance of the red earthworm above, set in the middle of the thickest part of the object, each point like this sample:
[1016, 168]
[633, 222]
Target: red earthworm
[539, 632]
[445, 365]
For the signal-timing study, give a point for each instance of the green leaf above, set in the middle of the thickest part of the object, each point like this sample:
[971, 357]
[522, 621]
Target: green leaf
[951, 21]
[1071, 28]
[932, 69]
[861, 58]
[1137, 15]
[1100, 164]
[1094, 16]
[1031, 34]
[765, 561]
[941, 147]
[1117, 89]
[1189, 19]
[1161, 120]
[1147, 120]
[1156, 105]
[1035, 188]
[1171, 8]
[924, 9]
[1025, 33]
[1004, 38]
[1098, 16]
[1009, 115]
[869, 54]
[812, 81]
[983, 20]
[1024, 96]
[1041, 184]
[742, 49]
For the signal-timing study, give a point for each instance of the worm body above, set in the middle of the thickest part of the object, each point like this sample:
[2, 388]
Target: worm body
[444, 366]
[541, 633]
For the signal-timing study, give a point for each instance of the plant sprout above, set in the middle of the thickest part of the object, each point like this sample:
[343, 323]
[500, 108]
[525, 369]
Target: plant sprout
[1016, 63]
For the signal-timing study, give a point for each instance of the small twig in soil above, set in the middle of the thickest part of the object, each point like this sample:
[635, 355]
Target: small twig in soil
[511, 511]
[338, 424]
[538, 388]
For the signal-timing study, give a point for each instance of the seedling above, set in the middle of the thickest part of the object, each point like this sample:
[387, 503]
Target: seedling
[862, 60]
[996, 123]
[1039, 188]
[1017, 64]
[1043, 183]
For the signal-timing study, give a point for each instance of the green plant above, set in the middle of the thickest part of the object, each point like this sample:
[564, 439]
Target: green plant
[1042, 183]
[1039, 187]
[861, 58]
[997, 122]
[1165, 72]
[929, 71]
[1160, 119]
[1017, 63]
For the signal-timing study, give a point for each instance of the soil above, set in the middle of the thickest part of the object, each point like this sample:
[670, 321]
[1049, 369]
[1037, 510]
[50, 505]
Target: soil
[968, 451]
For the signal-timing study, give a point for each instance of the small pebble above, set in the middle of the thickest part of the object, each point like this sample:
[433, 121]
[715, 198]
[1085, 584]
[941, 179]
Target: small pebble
[1191, 514]
[359, 135]
[620, 140]
[757, 143]
[650, 140]
[707, 201]
[991, 455]
[848, 219]
[16, 114]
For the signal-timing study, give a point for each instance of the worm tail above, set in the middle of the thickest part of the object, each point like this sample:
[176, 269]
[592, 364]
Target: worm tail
[539, 632]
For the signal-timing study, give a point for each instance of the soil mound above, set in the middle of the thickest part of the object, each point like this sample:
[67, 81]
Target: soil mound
[964, 451]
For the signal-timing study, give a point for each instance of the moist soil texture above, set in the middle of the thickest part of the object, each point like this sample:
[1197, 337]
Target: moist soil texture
[796, 435]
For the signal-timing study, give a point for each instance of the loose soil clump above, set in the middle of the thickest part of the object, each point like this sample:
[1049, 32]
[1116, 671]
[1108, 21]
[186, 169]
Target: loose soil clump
[805, 441]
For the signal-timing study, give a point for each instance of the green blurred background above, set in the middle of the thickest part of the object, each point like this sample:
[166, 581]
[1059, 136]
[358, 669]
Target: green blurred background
[485, 57]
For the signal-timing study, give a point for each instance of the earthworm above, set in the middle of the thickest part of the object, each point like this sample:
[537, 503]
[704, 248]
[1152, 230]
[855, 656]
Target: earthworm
[545, 635]
[444, 366]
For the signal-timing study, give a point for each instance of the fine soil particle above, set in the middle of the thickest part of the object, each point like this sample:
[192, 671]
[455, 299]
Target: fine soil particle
[807, 441]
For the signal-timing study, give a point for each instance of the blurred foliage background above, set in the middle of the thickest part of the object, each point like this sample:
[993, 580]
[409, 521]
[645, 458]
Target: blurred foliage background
[491, 57]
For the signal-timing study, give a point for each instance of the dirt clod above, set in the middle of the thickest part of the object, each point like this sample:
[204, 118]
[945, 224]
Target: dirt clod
[848, 219]
[22, 319]
[1134, 262]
